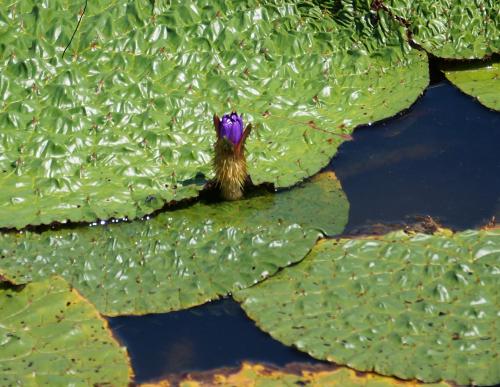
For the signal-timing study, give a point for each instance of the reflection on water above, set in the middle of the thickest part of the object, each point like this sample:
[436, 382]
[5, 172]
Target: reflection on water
[210, 336]
[441, 159]
[445, 164]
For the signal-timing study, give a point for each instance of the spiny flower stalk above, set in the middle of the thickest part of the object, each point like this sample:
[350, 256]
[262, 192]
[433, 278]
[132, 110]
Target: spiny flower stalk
[229, 160]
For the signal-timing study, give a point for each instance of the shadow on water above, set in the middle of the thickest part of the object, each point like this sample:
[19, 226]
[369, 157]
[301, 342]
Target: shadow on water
[202, 338]
[442, 158]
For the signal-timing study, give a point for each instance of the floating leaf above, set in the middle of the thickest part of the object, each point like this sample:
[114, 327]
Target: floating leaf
[421, 306]
[181, 258]
[50, 335]
[481, 80]
[463, 29]
[122, 123]
[296, 374]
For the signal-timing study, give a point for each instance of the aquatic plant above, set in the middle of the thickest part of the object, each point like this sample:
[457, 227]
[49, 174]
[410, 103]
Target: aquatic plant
[121, 125]
[413, 306]
[465, 29]
[229, 155]
[478, 79]
[117, 128]
[51, 336]
[296, 374]
[184, 257]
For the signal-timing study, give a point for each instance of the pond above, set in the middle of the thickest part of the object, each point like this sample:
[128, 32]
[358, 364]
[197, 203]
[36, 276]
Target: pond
[440, 159]
[367, 247]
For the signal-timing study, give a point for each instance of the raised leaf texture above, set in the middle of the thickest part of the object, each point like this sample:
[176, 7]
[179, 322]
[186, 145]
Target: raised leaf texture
[181, 258]
[122, 124]
[480, 80]
[418, 306]
[51, 336]
[458, 29]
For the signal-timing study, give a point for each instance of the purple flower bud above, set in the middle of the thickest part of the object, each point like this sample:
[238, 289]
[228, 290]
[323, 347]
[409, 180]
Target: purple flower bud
[231, 127]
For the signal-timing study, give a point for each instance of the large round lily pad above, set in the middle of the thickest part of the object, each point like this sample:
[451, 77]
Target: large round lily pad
[421, 306]
[184, 257]
[122, 123]
[458, 29]
[296, 374]
[480, 80]
[50, 335]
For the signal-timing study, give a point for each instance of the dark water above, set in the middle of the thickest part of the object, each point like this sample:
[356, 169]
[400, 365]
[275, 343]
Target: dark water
[202, 338]
[442, 158]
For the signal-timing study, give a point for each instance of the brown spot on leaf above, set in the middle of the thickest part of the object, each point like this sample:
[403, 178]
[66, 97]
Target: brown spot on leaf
[312, 124]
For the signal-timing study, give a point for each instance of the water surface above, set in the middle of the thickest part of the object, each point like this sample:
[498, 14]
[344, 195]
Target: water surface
[441, 158]
[202, 338]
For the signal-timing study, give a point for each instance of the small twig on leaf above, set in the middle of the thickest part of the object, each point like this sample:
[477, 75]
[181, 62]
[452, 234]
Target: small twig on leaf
[76, 29]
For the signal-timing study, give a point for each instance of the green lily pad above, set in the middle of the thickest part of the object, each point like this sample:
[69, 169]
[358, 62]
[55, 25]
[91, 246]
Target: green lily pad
[420, 306]
[463, 29]
[181, 258]
[481, 80]
[50, 335]
[122, 123]
[295, 374]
